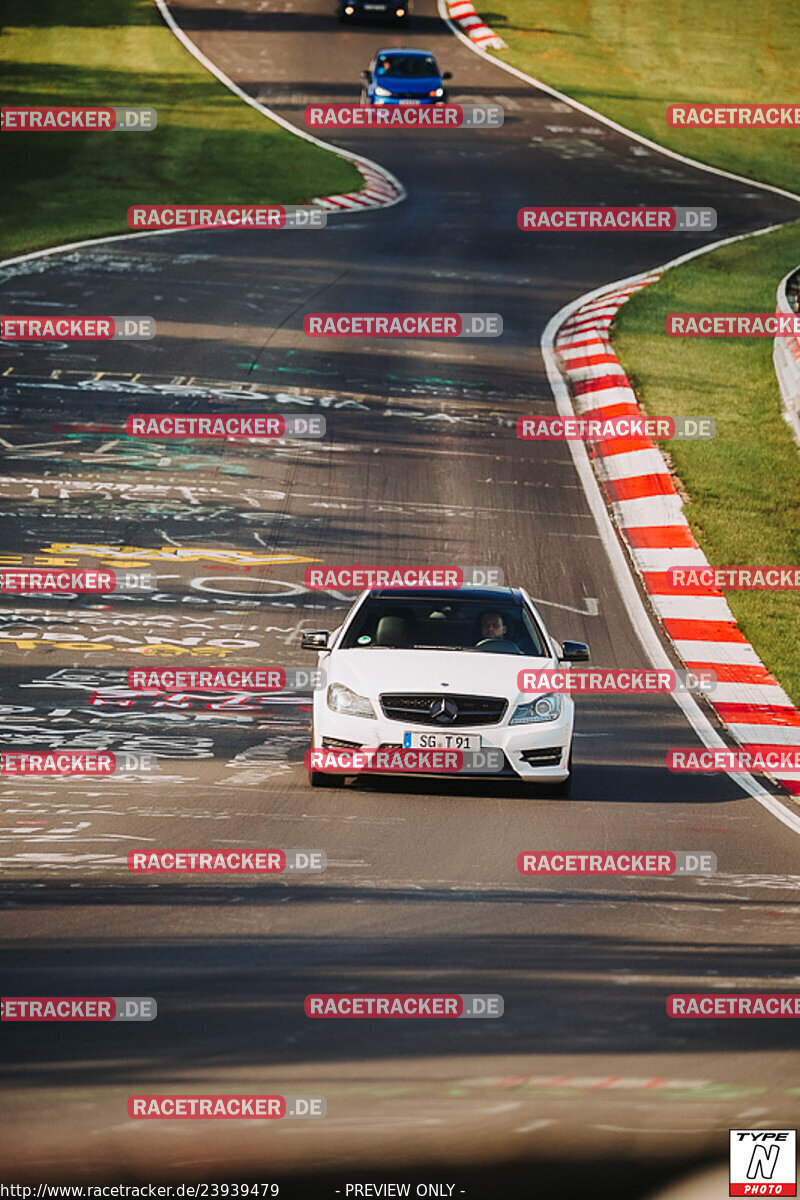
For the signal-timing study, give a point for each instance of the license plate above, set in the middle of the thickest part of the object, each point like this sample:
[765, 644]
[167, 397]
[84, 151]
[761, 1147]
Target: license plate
[441, 741]
[374, 8]
[408, 102]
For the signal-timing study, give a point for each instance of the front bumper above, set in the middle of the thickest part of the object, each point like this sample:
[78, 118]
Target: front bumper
[516, 741]
[422, 100]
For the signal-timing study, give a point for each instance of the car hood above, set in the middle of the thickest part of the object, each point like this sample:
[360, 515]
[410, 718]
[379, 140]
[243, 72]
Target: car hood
[370, 672]
[415, 86]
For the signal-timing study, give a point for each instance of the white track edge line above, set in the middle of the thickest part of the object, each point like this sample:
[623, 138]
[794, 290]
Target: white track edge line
[634, 604]
[637, 612]
[197, 53]
[598, 116]
[189, 45]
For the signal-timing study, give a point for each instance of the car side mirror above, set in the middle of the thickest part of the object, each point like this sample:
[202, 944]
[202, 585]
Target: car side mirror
[574, 652]
[366, 75]
[447, 75]
[316, 640]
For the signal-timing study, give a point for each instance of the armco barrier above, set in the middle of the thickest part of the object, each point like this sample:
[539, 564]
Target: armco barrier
[786, 357]
[648, 511]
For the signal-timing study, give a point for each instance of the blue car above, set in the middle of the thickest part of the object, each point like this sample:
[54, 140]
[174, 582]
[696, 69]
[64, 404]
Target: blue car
[404, 77]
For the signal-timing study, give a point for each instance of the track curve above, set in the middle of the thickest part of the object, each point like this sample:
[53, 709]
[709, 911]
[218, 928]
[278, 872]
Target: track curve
[421, 462]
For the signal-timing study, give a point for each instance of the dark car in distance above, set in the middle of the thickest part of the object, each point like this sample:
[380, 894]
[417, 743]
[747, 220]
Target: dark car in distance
[374, 10]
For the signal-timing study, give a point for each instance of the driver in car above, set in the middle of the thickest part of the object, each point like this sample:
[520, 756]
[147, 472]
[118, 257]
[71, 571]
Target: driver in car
[492, 626]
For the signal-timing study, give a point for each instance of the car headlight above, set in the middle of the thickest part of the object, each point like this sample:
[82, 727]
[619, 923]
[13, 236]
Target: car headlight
[546, 708]
[342, 700]
[379, 91]
[437, 92]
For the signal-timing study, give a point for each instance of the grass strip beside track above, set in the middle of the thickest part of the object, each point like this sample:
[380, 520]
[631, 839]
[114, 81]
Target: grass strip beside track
[630, 60]
[209, 146]
[743, 486]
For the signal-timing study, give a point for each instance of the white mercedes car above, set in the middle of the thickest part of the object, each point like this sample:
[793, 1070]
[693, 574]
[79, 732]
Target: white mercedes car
[438, 669]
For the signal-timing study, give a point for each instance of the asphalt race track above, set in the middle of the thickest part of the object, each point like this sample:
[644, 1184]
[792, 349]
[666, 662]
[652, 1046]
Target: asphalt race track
[420, 464]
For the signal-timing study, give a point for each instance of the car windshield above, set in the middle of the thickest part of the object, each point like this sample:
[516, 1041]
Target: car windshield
[406, 66]
[484, 626]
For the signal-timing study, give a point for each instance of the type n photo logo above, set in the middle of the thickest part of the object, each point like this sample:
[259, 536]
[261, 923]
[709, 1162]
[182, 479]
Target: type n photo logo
[763, 1162]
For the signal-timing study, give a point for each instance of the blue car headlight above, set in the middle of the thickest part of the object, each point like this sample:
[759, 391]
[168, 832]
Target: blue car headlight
[546, 708]
[379, 91]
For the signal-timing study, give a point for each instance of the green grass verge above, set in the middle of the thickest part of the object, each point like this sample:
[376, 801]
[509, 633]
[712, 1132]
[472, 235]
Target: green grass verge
[743, 485]
[630, 60]
[209, 145]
